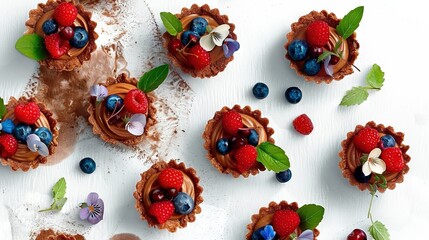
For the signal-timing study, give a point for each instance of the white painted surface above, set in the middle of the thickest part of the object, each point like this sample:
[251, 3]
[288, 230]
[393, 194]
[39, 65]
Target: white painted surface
[391, 35]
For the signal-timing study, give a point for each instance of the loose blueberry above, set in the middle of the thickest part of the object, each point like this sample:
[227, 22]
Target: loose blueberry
[189, 36]
[222, 146]
[21, 131]
[257, 234]
[183, 203]
[67, 33]
[360, 177]
[114, 101]
[284, 176]
[387, 141]
[253, 138]
[293, 95]
[199, 25]
[80, 38]
[260, 90]
[237, 142]
[44, 134]
[50, 26]
[297, 50]
[157, 195]
[171, 193]
[87, 165]
[312, 67]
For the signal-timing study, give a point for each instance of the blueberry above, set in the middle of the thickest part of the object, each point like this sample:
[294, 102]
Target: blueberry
[284, 176]
[111, 102]
[293, 95]
[7, 126]
[21, 131]
[50, 26]
[222, 146]
[44, 134]
[199, 25]
[188, 36]
[80, 38]
[297, 50]
[257, 234]
[360, 177]
[87, 165]
[260, 90]
[183, 203]
[312, 67]
[253, 138]
[387, 141]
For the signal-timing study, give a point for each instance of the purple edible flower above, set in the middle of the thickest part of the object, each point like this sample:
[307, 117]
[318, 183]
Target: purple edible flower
[268, 232]
[229, 47]
[328, 68]
[7, 126]
[99, 91]
[306, 235]
[93, 209]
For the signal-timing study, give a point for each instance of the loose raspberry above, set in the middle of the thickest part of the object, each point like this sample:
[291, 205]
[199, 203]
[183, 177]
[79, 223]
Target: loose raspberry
[231, 122]
[318, 33]
[170, 178]
[245, 157]
[136, 101]
[56, 46]
[366, 140]
[8, 145]
[285, 222]
[162, 211]
[198, 57]
[393, 159]
[27, 113]
[65, 14]
[303, 124]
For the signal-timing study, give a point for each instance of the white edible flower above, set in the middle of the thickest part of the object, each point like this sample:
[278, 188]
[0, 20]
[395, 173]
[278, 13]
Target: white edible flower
[215, 37]
[374, 163]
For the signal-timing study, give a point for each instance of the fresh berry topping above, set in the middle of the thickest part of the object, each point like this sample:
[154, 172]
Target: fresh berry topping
[284, 176]
[8, 145]
[183, 203]
[222, 146]
[44, 134]
[80, 37]
[171, 193]
[334, 60]
[244, 132]
[297, 50]
[162, 211]
[387, 141]
[285, 222]
[245, 157]
[7, 126]
[237, 142]
[170, 178]
[357, 234]
[56, 46]
[174, 45]
[114, 102]
[199, 25]
[318, 33]
[67, 33]
[393, 159]
[360, 176]
[50, 26]
[366, 139]
[314, 51]
[189, 37]
[312, 67]
[21, 132]
[253, 138]
[293, 95]
[260, 90]
[303, 124]
[257, 234]
[198, 57]
[87, 165]
[231, 122]
[136, 101]
[65, 14]
[27, 113]
[157, 195]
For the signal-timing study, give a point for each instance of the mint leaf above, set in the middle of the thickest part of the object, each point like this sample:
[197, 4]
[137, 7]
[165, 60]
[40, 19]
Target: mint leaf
[350, 22]
[32, 46]
[378, 231]
[56, 205]
[355, 96]
[324, 55]
[375, 77]
[272, 157]
[153, 78]
[59, 189]
[2, 108]
[310, 215]
[171, 23]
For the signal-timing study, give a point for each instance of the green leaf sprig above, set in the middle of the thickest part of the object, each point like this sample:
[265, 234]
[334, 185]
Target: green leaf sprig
[58, 192]
[153, 78]
[358, 95]
[272, 157]
[2, 108]
[32, 46]
[310, 216]
[377, 230]
[171, 23]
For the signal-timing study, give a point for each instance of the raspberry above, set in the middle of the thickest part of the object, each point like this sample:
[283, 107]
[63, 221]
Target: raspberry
[285, 222]
[245, 157]
[27, 113]
[65, 14]
[198, 57]
[393, 159]
[170, 178]
[162, 211]
[303, 124]
[136, 101]
[56, 46]
[231, 122]
[366, 140]
[318, 33]
[8, 145]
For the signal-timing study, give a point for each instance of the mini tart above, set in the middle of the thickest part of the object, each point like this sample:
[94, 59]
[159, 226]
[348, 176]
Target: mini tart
[350, 157]
[265, 215]
[24, 158]
[213, 132]
[52, 235]
[149, 181]
[218, 59]
[74, 57]
[98, 115]
[350, 47]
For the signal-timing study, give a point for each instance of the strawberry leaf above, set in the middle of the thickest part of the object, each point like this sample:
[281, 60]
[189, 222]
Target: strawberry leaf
[350, 22]
[355, 96]
[375, 77]
[32, 46]
[272, 157]
[58, 192]
[2, 108]
[378, 231]
[153, 78]
[310, 216]
[171, 23]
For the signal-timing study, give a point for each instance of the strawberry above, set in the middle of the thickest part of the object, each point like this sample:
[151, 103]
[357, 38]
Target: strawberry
[198, 57]
[170, 178]
[136, 101]
[56, 46]
[65, 14]
[245, 157]
[285, 222]
[303, 124]
[393, 159]
[162, 211]
[231, 122]
[318, 33]
[366, 140]
[27, 113]
[8, 145]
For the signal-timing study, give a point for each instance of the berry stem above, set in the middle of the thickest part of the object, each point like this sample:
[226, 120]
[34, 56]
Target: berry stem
[370, 206]
[114, 113]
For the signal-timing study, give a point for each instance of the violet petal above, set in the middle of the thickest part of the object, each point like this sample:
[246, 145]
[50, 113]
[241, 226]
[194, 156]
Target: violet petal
[306, 235]
[35, 145]
[99, 91]
[84, 213]
[136, 124]
[225, 50]
[230, 46]
[92, 199]
[328, 68]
